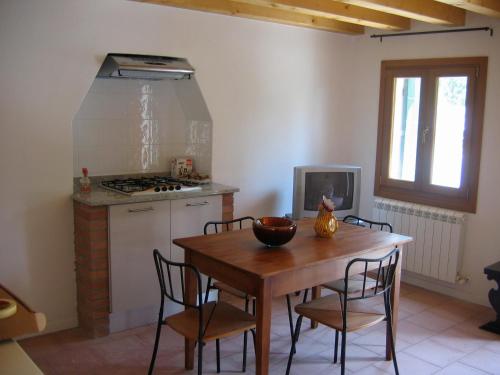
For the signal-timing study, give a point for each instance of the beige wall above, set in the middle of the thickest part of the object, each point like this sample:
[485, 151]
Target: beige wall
[359, 135]
[272, 92]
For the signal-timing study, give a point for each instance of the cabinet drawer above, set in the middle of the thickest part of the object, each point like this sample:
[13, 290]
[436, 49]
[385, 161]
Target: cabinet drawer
[189, 216]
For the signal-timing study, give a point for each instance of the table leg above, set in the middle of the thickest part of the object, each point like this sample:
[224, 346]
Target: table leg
[190, 290]
[316, 293]
[395, 308]
[264, 308]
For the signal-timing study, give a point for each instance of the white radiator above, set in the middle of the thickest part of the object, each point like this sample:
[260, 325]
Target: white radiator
[436, 250]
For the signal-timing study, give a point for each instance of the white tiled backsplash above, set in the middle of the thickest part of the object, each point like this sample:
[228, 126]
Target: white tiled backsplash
[133, 126]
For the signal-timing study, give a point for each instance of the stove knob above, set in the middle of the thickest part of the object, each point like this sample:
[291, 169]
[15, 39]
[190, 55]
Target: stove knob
[177, 187]
[170, 187]
[157, 189]
[163, 188]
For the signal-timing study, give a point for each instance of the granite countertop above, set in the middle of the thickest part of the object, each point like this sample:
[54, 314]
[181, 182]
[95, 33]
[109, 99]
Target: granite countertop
[103, 197]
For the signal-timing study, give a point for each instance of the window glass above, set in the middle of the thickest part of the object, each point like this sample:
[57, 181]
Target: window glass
[449, 131]
[404, 134]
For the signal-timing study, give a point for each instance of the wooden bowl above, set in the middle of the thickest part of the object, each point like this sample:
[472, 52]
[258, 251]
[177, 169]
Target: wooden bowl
[274, 231]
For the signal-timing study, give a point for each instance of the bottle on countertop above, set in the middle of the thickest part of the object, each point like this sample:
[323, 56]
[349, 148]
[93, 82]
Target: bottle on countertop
[85, 181]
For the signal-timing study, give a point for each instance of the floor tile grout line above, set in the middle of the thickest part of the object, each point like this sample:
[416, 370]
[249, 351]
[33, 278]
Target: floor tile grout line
[474, 367]
[482, 346]
[442, 367]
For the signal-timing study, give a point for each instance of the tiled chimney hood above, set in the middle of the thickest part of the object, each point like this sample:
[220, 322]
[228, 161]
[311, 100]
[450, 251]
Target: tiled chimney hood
[140, 113]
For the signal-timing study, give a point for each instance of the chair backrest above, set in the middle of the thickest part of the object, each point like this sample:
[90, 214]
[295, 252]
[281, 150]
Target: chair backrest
[169, 275]
[384, 267]
[216, 226]
[351, 219]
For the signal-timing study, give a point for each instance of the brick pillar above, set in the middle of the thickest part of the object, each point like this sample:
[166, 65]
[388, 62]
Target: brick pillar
[92, 271]
[227, 208]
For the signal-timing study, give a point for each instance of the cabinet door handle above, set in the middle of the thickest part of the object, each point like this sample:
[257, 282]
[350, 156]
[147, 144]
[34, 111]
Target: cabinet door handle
[145, 209]
[196, 204]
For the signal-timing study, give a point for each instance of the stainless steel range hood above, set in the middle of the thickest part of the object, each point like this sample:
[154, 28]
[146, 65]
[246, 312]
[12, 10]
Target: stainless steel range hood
[118, 65]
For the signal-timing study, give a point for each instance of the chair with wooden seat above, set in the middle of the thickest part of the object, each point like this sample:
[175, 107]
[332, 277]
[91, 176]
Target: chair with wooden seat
[227, 225]
[201, 322]
[349, 312]
[215, 227]
[356, 281]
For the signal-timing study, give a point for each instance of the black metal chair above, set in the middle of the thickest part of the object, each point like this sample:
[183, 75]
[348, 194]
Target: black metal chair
[356, 281]
[346, 312]
[201, 322]
[351, 219]
[215, 227]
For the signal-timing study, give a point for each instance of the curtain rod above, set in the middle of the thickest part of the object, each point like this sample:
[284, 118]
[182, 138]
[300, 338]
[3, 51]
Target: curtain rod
[381, 36]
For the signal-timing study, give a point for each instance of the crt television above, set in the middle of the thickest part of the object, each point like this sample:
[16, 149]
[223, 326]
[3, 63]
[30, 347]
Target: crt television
[340, 183]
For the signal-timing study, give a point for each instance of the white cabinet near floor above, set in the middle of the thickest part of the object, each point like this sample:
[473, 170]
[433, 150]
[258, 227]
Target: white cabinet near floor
[188, 218]
[134, 231]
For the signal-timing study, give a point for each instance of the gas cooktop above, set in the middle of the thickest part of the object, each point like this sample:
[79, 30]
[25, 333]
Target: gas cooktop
[149, 185]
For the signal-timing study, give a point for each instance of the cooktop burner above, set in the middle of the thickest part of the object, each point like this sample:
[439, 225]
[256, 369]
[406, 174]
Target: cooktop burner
[149, 185]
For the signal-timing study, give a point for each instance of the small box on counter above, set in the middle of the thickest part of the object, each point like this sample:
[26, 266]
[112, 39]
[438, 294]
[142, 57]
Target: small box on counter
[181, 167]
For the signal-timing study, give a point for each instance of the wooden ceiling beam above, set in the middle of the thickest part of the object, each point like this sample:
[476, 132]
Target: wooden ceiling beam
[245, 10]
[429, 11]
[338, 11]
[489, 8]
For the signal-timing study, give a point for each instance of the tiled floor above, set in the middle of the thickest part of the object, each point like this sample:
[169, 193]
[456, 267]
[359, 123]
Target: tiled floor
[436, 335]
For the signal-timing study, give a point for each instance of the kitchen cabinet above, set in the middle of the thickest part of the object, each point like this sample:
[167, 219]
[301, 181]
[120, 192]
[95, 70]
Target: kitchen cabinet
[94, 217]
[134, 231]
[188, 218]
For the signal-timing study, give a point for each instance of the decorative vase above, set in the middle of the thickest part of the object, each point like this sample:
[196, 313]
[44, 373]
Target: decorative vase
[326, 223]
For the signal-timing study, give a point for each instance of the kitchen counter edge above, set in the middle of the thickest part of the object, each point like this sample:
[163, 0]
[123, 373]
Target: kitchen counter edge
[102, 197]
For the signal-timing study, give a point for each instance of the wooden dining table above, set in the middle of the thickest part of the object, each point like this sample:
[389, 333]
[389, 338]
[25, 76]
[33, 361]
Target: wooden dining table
[237, 258]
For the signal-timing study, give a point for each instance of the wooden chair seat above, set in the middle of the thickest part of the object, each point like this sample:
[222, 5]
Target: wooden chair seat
[223, 320]
[233, 291]
[328, 311]
[354, 285]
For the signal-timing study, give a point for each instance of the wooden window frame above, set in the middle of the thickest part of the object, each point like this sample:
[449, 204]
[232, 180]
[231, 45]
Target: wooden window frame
[421, 191]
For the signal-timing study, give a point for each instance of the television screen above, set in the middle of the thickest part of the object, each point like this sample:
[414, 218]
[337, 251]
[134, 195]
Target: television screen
[337, 186]
[340, 183]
